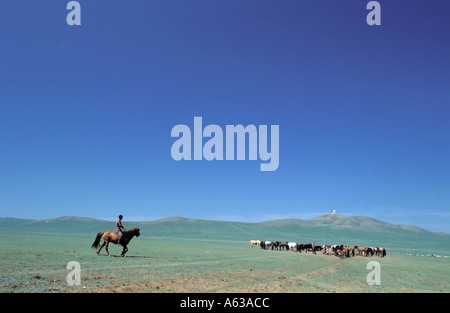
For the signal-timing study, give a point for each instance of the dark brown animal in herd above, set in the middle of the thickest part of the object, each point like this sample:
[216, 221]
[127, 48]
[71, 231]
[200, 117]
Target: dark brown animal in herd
[305, 247]
[283, 246]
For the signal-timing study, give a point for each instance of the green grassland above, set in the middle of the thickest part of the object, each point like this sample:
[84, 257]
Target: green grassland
[187, 255]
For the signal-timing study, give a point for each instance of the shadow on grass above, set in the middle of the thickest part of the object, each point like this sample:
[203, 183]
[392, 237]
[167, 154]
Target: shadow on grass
[128, 256]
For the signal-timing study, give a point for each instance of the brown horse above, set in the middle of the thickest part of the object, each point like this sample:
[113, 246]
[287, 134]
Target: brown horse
[283, 245]
[346, 251]
[113, 237]
[364, 250]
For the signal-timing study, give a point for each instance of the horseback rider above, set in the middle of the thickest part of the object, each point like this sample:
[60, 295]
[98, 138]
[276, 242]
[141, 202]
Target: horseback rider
[119, 227]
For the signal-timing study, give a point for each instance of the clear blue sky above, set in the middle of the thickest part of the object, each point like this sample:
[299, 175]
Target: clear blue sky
[86, 112]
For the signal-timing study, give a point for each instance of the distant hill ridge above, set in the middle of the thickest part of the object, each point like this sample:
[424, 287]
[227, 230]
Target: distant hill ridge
[324, 229]
[336, 221]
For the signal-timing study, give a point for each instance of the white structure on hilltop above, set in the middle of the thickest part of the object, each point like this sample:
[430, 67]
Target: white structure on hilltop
[334, 212]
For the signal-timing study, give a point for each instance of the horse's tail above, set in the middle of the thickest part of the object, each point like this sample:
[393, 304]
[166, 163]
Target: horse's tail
[97, 240]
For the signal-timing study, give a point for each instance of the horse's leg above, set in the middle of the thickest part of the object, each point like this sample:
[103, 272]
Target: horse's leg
[125, 249]
[107, 251]
[98, 251]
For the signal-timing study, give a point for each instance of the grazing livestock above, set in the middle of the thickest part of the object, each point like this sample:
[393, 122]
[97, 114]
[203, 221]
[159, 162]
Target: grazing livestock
[326, 249]
[380, 252]
[344, 251]
[263, 244]
[275, 245]
[332, 249]
[337, 249]
[349, 250]
[267, 244]
[300, 247]
[341, 251]
[292, 246]
[305, 247]
[365, 251]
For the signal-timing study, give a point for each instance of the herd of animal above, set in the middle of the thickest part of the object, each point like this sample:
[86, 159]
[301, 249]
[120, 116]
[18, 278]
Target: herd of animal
[337, 250]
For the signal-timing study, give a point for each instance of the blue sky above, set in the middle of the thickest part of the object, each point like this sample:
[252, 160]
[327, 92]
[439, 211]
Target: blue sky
[86, 111]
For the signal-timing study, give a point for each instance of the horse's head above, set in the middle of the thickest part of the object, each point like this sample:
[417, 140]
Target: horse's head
[136, 232]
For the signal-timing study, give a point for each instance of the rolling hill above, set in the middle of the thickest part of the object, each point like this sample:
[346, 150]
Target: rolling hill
[325, 229]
